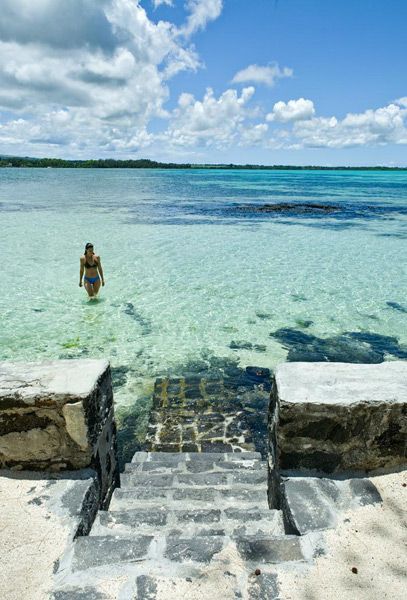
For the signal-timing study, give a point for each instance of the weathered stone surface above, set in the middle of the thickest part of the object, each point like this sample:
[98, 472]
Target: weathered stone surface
[59, 415]
[200, 549]
[338, 416]
[78, 593]
[56, 382]
[75, 423]
[105, 550]
[199, 516]
[364, 492]
[312, 504]
[146, 588]
[263, 587]
[270, 550]
[135, 517]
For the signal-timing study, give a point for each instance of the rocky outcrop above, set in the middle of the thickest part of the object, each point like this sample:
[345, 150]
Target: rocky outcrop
[286, 207]
[333, 417]
[59, 415]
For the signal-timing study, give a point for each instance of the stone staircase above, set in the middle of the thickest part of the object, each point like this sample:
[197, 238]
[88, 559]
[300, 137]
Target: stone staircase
[184, 525]
[210, 413]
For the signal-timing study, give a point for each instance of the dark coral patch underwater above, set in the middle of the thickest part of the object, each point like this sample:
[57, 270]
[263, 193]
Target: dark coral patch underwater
[351, 346]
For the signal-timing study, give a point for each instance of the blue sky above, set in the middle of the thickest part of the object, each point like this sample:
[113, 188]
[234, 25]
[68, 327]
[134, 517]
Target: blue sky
[244, 81]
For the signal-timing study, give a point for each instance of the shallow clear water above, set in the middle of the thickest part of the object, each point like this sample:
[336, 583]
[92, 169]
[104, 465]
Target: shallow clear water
[187, 274]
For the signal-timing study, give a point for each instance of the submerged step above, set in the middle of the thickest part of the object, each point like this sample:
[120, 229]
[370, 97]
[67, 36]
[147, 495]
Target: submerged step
[189, 497]
[230, 521]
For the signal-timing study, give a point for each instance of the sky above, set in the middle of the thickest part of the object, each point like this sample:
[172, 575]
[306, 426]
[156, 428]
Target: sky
[321, 82]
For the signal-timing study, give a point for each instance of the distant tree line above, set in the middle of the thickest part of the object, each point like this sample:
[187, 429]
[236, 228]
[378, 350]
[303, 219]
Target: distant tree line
[145, 163]
[107, 163]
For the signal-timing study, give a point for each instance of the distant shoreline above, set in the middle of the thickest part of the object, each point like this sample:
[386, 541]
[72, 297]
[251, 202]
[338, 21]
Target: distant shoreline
[110, 163]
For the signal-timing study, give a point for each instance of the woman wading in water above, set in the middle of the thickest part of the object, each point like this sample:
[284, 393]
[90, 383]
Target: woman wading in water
[91, 265]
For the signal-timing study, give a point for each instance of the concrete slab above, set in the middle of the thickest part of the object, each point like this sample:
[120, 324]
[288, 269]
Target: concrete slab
[342, 383]
[59, 415]
[334, 417]
[27, 383]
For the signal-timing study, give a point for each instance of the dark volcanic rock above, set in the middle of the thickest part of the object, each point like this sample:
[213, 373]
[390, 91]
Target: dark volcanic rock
[351, 346]
[397, 306]
[287, 207]
[240, 345]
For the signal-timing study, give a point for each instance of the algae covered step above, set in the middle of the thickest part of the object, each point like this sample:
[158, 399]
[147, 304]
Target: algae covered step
[200, 521]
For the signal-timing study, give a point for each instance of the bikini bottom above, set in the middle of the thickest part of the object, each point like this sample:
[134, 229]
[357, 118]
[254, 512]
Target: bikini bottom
[92, 280]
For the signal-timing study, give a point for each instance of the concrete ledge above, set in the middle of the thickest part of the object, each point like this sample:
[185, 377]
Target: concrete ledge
[335, 417]
[58, 415]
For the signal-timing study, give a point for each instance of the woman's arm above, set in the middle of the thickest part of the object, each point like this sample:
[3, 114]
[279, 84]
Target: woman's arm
[100, 270]
[81, 270]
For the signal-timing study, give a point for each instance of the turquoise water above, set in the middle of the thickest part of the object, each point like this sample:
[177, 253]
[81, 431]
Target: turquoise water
[188, 276]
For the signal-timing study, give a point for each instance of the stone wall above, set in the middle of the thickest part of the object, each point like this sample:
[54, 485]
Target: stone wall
[334, 417]
[59, 415]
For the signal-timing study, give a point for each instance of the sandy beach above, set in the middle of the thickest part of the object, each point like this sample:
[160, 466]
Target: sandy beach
[372, 540]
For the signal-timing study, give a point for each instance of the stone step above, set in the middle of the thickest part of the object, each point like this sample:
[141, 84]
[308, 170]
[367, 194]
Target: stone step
[317, 503]
[104, 551]
[250, 586]
[189, 497]
[230, 521]
[200, 456]
[225, 478]
[241, 443]
[194, 466]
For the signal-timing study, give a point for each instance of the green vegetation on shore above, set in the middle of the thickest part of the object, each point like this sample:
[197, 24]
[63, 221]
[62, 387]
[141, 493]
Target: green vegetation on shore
[144, 163]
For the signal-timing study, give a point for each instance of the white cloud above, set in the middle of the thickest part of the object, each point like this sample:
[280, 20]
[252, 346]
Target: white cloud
[373, 127]
[211, 121]
[293, 110]
[201, 12]
[86, 78]
[253, 135]
[159, 2]
[257, 74]
[102, 62]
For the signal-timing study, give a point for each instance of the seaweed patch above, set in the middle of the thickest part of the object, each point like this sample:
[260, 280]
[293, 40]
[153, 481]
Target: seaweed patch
[351, 346]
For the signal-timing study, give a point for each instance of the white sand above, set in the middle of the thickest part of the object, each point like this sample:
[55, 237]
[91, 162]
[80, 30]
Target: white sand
[373, 539]
[31, 539]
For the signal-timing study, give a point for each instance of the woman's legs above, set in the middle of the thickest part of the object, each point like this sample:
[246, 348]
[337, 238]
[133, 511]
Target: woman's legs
[89, 288]
[96, 287]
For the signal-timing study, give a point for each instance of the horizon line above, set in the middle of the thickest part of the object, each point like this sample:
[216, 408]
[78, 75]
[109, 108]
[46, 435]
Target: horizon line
[172, 164]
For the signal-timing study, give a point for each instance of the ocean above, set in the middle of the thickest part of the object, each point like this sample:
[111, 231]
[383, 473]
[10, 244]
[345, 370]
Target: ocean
[198, 274]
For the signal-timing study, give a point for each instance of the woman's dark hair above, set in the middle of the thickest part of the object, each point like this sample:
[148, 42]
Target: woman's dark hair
[88, 245]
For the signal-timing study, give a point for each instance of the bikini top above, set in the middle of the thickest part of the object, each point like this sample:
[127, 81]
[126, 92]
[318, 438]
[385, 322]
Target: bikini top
[88, 266]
